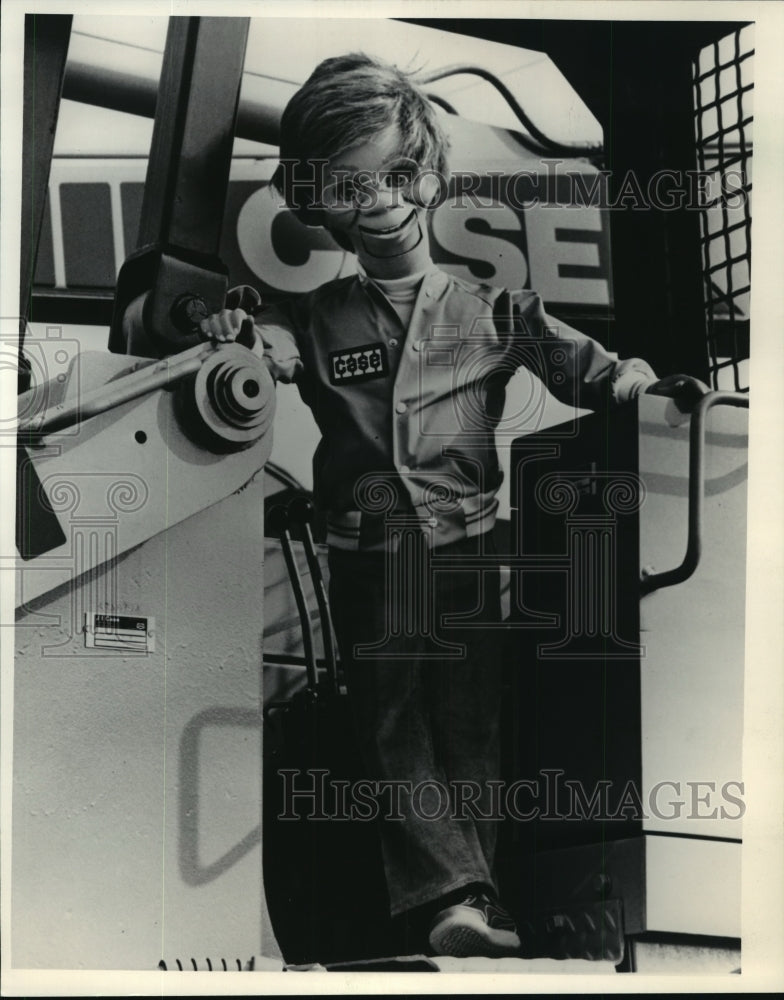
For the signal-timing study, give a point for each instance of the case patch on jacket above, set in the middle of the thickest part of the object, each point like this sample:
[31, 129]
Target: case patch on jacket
[358, 364]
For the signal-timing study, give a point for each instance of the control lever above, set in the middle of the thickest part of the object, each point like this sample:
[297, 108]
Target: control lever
[279, 523]
[301, 512]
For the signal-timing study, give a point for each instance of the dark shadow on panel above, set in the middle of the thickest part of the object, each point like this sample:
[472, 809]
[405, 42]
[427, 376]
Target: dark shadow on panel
[191, 868]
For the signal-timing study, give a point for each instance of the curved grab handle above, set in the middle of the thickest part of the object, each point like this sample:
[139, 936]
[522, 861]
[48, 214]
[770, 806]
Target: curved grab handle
[654, 581]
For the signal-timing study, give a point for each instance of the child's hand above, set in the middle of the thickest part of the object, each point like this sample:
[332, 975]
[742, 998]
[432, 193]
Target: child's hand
[233, 322]
[226, 325]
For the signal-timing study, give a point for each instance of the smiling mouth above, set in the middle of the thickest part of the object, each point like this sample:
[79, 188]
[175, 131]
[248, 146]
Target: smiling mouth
[390, 230]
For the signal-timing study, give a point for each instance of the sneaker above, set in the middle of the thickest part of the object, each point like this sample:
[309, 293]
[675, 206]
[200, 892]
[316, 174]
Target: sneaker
[478, 925]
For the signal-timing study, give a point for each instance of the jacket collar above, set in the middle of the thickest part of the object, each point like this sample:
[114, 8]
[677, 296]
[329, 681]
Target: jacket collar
[434, 283]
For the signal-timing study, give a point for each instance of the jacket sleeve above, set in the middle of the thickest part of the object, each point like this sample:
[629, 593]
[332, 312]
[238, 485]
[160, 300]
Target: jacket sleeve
[576, 369]
[274, 327]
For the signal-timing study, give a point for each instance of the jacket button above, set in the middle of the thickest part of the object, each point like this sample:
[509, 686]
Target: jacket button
[433, 522]
[401, 407]
[392, 342]
[404, 470]
[417, 345]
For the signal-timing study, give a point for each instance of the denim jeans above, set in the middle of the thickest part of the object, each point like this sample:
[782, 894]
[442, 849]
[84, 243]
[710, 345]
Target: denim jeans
[426, 711]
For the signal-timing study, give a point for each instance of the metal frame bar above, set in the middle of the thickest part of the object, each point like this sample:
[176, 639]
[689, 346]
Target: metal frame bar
[176, 259]
[193, 135]
[137, 95]
[45, 51]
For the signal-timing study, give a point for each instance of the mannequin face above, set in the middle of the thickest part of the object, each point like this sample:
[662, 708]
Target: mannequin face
[366, 199]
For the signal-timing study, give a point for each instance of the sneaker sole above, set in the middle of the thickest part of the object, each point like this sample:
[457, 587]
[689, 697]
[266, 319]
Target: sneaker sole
[458, 939]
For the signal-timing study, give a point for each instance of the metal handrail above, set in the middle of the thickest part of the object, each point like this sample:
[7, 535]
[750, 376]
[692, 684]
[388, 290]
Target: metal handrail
[655, 581]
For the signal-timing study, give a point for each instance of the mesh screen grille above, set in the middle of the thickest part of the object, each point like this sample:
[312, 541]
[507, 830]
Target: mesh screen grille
[723, 92]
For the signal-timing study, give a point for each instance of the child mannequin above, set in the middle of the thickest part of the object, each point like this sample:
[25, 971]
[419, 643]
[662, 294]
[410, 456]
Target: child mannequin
[404, 368]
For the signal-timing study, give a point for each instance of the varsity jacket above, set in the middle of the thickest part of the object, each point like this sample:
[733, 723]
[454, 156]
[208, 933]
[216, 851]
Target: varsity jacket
[408, 417]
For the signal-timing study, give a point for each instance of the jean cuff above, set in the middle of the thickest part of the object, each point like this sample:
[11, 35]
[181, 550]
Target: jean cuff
[435, 892]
